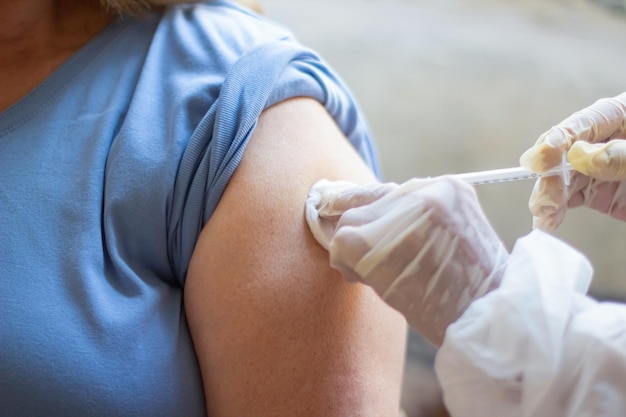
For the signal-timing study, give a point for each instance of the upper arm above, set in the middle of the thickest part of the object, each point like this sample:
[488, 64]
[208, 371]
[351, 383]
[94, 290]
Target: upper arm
[276, 330]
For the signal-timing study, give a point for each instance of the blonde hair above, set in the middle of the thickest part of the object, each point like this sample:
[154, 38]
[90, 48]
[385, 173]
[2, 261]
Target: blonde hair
[138, 7]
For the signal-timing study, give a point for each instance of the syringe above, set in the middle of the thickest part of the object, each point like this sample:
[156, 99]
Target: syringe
[512, 174]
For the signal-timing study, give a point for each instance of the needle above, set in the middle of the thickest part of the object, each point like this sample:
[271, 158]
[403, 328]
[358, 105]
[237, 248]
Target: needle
[512, 174]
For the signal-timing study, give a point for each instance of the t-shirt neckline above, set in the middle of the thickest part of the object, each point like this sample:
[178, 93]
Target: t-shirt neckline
[28, 106]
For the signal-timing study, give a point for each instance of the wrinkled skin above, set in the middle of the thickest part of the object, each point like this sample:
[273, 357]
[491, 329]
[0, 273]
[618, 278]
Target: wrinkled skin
[424, 246]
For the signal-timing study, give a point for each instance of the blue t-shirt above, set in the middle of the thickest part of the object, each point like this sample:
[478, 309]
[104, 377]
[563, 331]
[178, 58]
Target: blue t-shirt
[108, 171]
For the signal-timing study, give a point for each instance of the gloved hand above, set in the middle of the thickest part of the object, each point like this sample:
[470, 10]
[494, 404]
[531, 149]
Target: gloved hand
[424, 246]
[595, 142]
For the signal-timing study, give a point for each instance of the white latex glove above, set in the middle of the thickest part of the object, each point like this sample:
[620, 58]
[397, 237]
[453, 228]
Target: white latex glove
[537, 346]
[424, 246]
[595, 141]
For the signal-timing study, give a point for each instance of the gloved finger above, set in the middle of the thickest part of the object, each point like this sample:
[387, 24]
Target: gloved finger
[337, 201]
[608, 197]
[322, 191]
[378, 251]
[604, 161]
[371, 207]
[395, 269]
[548, 201]
[333, 198]
[368, 235]
[548, 151]
[328, 200]
[603, 120]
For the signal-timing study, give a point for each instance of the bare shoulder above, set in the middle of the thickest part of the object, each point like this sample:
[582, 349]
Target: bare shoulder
[276, 331]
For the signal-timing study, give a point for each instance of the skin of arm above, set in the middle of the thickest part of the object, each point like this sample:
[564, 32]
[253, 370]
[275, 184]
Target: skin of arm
[278, 332]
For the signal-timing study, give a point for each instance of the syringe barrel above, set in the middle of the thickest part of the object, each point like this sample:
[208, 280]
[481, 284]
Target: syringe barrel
[510, 174]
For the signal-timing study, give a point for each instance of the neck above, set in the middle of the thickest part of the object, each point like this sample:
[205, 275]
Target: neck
[36, 36]
[48, 25]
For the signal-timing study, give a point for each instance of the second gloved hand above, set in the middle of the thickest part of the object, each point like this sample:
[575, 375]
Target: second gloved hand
[594, 139]
[424, 246]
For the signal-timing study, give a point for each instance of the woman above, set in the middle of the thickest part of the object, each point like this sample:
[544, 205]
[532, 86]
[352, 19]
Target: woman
[154, 164]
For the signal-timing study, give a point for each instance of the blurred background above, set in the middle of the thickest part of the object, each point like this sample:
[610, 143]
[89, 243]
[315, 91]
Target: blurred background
[450, 86]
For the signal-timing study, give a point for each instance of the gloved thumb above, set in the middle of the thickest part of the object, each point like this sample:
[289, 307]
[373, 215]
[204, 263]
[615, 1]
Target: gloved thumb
[328, 200]
[337, 197]
[603, 161]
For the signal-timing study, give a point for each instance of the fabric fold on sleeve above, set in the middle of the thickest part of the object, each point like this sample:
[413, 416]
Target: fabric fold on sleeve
[267, 74]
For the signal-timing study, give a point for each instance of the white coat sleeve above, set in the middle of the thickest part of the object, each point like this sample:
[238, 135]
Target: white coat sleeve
[537, 346]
